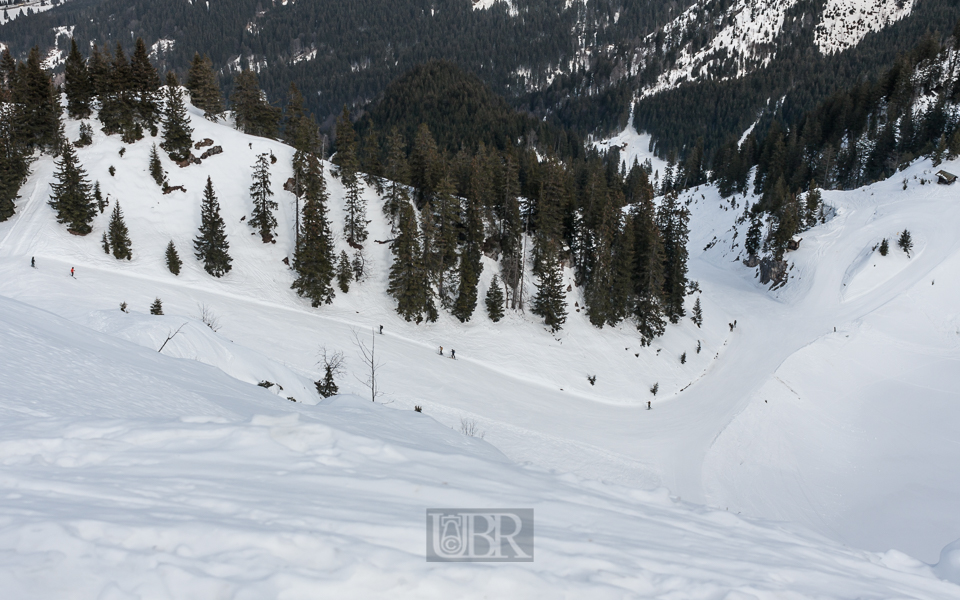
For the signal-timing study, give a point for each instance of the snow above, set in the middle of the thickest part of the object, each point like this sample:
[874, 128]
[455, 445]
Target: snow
[150, 474]
[160, 46]
[130, 474]
[844, 23]
[634, 146]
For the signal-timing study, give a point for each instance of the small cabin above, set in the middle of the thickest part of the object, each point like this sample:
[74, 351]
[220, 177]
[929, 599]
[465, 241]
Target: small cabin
[945, 178]
[794, 244]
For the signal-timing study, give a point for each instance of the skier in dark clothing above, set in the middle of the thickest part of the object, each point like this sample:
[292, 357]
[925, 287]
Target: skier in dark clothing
[648, 405]
[441, 350]
[381, 330]
[453, 353]
[33, 262]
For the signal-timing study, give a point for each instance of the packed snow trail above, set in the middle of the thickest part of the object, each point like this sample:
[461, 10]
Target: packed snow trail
[526, 389]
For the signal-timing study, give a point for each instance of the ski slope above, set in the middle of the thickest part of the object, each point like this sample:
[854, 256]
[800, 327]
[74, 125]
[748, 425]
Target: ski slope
[130, 474]
[847, 434]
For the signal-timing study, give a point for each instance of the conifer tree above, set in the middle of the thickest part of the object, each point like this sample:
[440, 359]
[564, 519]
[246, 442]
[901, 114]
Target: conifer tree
[470, 256]
[98, 197]
[622, 291]
[648, 273]
[99, 70]
[146, 86]
[117, 99]
[313, 259]
[751, 243]
[327, 387]
[355, 212]
[203, 87]
[424, 159]
[157, 307]
[262, 218]
[86, 135]
[814, 201]
[119, 235]
[77, 84]
[211, 245]
[344, 272]
[72, 198]
[346, 157]
[697, 316]
[550, 302]
[446, 208]
[177, 131]
[173, 259]
[672, 219]
[105, 243]
[884, 247]
[370, 161]
[156, 168]
[408, 278]
[494, 300]
[599, 286]
[300, 130]
[254, 115]
[905, 242]
[38, 105]
[14, 166]
[397, 174]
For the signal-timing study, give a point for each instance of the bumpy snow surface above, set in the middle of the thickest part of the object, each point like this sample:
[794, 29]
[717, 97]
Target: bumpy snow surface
[131, 473]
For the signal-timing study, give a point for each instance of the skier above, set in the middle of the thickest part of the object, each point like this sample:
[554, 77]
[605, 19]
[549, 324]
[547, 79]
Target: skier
[71, 273]
[33, 262]
[453, 353]
[381, 330]
[441, 350]
[648, 405]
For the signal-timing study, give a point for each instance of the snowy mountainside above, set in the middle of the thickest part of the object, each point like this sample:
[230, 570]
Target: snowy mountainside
[127, 473]
[525, 389]
[745, 36]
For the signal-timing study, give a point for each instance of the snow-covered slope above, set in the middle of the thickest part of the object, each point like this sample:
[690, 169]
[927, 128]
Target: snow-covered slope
[710, 437]
[745, 35]
[129, 474]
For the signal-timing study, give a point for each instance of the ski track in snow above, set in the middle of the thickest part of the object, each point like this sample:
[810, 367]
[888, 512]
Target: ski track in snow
[526, 388]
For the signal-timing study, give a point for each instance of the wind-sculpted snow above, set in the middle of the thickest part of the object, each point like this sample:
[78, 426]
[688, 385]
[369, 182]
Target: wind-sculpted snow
[126, 473]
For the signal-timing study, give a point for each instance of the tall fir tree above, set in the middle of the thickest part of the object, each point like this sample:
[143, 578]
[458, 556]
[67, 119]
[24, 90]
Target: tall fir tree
[146, 87]
[14, 162]
[424, 168]
[204, 88]
[397, 174]
[99, 68]
[621, 304]
[156, 168]
[173, 259]
[261, 218]
[119, 235]
[98, 197]
[472, 251]
[300, 130]
[254, 115]
[77, 84]
[38, 104]
[408, 283]
[550, 303]
[648, 272]
[72, 197]
[370, 159]
[494, 300]
[672, 220]
[344, 272]
[697, 316]
[211, 245]
[314, 257]
[177, 132]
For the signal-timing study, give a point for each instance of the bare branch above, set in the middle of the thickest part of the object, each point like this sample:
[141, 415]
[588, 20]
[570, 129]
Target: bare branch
[369, 356]
[209, 318]
[170, 337]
